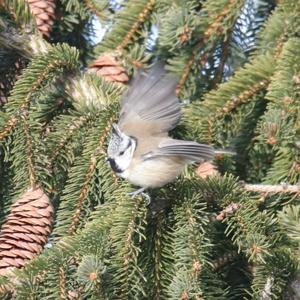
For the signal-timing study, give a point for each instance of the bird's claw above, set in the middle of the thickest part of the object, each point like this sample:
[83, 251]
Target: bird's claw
[141, 191]
[135, 193]
[147, 198]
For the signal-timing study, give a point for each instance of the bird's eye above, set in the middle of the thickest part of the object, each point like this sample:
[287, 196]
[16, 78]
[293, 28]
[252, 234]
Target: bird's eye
[122, 152]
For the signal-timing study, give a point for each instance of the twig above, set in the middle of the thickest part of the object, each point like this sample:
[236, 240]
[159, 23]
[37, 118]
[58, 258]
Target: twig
[228, 210]
[224, 55]
[141, 19]
[223, 260]
[269, 188]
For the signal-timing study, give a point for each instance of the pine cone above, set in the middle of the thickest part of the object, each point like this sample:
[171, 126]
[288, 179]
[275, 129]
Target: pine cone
[108, 67]
[26, 230]
[206, 169]
[44, 12]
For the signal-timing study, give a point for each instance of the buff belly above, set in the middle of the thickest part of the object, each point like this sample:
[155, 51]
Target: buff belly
[153, 172]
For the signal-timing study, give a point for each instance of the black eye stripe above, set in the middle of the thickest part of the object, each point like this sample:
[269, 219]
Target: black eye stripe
[114, 166]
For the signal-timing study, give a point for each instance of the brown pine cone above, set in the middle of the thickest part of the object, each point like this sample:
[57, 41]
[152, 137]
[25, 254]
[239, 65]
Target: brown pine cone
[26, 229]
[107, 66]
[44, 12]
[206, 169]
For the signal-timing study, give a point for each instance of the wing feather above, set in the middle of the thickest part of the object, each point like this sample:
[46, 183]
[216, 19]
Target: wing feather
[151, 100]
[189, 150]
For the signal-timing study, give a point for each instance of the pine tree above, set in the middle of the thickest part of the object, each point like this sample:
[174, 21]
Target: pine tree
[225, 231]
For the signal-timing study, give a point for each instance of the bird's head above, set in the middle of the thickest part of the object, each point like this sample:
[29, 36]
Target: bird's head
[120, 150]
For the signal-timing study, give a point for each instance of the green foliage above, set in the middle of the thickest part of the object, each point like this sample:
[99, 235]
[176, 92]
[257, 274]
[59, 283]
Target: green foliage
[198, 238]
[191, 249]
[281, 121]
[19, 10]
[24, 152]
[126, 27]
[191, 35]
[77, 202]
[89, 273]
[224, 102]
[281, 25]
[290, 219]
[40, 73]
[271, 280]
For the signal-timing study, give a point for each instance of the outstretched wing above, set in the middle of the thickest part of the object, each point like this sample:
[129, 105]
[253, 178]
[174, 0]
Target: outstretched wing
[188, 150]
[150, 103]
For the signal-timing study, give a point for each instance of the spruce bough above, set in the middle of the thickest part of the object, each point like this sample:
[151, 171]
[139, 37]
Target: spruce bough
[234, 235]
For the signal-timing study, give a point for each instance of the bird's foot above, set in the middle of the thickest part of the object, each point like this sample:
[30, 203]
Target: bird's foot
[135, 193]
[141, 191]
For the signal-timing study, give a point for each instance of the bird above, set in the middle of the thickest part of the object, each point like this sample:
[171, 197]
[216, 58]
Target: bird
[140, 149]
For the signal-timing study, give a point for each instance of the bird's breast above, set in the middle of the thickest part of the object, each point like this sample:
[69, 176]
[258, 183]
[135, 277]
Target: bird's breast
[153, 172]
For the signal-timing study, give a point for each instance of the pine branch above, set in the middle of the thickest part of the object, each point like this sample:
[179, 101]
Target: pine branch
[89, 95]
[62, 283]
[188, 253]
[269, 188]
[246, 83]
[127, 234]
[224, 260]
[278, 127]
[191, 246]
[155, 251]
[158, 259]
[213, 28]
[142, 16]
[224, 56]
[91, 169]
[247, 229]
[29, 152]
[252, 231]
[73, 125]
[271, 280]
[11, 70]
[41, 69]
[75, 7]
[96, 8]
[228, 210]
[129, 21]
[74, 200]
[21, 43]
[279, 28]
[188, 66]
[8, 127]
[90, 273]
[20, 12]
[290, 221]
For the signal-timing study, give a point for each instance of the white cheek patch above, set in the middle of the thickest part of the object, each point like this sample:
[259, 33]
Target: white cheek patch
[123, 161]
